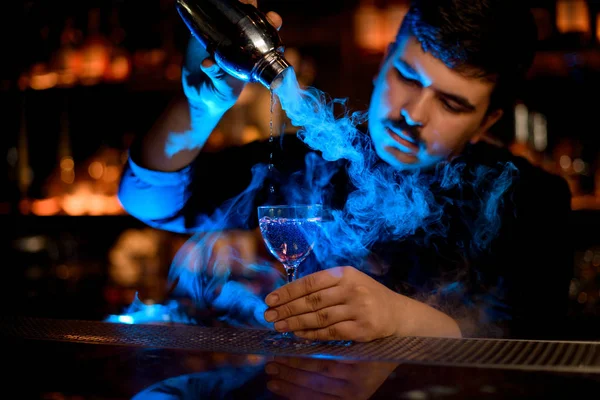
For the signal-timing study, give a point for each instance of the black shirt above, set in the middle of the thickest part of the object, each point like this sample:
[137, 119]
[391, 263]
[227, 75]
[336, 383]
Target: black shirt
[495, 255]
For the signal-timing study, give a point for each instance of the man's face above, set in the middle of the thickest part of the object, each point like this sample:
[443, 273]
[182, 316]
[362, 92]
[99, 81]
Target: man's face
[423, 112]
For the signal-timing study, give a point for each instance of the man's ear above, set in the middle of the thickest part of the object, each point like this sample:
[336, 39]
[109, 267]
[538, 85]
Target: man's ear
[488, 121]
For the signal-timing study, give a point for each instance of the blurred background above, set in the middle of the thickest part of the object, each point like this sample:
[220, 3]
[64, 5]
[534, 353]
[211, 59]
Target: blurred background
[79, 79]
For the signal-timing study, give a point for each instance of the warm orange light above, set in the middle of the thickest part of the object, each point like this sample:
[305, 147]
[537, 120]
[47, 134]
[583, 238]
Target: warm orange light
[120, 68]
[82, 193]
[94, 63]
[43, 81]
[113, 206]
[585, 202]
[96, 169]
[111, 174]
[67, 65]
[46, 207]
[96, 204]
[156, 57]
[368, 28]
[572, 16]
[66, 79]
[375, 27]
[67, 163]
[393, 16]
[173, 72]
[74, 204]
[598, 27]
[67, 176]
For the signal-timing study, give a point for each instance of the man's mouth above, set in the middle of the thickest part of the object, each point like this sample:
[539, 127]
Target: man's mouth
[408, 144]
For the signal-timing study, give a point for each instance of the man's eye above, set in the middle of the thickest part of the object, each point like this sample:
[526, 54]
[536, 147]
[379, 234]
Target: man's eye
[448, 106]
[403, 78]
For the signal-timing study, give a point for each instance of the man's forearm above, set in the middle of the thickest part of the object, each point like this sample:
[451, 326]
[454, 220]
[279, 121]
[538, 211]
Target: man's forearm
[177, 137]
[419, 319]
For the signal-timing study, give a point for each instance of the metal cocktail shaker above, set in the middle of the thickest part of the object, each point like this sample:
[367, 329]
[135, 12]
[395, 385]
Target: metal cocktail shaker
[239, 37]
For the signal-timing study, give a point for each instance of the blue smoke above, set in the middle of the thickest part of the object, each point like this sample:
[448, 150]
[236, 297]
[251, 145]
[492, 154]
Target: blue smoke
[221, 282]
[206, 272]
[139, 312]
[386, 205]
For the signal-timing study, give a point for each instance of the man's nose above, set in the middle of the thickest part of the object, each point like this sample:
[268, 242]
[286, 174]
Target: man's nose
[414, 113]
[409, 120]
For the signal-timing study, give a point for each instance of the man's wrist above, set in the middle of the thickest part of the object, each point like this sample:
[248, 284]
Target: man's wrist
[203, 120]
[414, 318]
[403, 319]
[206, 109]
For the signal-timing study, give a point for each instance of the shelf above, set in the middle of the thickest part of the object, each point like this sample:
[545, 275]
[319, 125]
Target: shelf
[561, 63]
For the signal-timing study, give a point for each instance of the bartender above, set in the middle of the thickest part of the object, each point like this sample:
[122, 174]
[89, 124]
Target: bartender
[452, 72]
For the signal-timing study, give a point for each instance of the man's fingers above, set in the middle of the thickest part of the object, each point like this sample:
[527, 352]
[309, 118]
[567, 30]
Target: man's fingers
[275, 19]
[304, 286]
[195, 54]
[345, 330]
[315, 320]
[207, 63]
[315, 301]
[211, 69]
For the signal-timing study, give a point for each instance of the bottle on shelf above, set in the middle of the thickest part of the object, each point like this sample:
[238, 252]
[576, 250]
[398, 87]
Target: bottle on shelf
[95, 51]
[67, 60]
[119, 65]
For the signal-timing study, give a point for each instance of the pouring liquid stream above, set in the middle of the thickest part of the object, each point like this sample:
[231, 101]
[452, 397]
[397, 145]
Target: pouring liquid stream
[271, 143]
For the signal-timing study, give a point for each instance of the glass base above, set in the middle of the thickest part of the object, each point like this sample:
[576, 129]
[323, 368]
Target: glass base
[288, 339]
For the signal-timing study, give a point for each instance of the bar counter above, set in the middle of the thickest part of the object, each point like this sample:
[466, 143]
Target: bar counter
[75, 359]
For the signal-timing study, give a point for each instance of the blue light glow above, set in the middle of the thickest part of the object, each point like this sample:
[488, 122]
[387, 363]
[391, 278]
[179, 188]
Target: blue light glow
[125, 319]
[386, 205]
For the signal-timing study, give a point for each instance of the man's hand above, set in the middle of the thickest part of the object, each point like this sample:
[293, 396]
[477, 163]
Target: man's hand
[341, 303]
[205, 84]
[306, 378]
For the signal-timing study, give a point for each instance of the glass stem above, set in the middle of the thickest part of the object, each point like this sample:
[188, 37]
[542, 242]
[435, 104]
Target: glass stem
[291, 273]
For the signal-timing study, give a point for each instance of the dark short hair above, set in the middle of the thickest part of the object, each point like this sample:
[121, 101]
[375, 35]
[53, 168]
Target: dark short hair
[489, 39]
